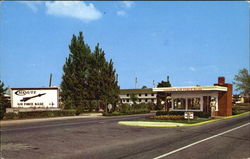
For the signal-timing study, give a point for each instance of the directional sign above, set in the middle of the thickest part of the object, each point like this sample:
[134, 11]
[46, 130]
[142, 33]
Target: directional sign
[34, 97]
[189, 115]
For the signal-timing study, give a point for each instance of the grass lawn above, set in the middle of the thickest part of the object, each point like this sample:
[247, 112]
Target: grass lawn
[194, 121]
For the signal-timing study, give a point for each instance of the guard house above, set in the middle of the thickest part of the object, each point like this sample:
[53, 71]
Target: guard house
[216, 99]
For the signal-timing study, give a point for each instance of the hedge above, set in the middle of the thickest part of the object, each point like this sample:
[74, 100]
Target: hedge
[198, 114]
[39, 114]
[136, 111]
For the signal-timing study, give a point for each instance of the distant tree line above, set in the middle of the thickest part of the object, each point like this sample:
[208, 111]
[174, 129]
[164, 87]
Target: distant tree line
[89, 81]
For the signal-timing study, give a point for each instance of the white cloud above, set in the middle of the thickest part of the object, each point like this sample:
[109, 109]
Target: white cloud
[73, 9]
[121, 13]
[32, 5]
[192, 69]
[128, 4]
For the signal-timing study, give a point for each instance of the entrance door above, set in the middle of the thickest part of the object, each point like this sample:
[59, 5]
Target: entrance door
[206, 104]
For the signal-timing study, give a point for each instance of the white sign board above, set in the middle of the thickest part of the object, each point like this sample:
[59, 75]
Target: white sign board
[189, 115]
[34, 97]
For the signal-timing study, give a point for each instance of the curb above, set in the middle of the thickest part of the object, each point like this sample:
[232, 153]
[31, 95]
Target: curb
[168, 124]
[22, 121]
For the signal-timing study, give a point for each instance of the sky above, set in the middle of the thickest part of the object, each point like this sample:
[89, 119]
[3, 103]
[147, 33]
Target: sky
[191, 42]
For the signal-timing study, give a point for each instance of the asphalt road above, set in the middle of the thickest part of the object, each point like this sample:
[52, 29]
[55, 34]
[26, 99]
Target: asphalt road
[104, 138]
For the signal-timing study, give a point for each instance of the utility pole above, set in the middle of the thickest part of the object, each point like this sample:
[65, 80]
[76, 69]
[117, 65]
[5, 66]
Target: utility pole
[50, 80]
[154, 83]
[135, 82]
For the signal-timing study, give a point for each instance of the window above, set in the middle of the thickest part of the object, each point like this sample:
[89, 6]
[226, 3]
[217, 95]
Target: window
[179, 103]
[139, 94]
[146, 100]
[152, 94]
[194, 103]
[146, 94]
[139, 100]
[152, 100]
[127, 95]
[127, 100]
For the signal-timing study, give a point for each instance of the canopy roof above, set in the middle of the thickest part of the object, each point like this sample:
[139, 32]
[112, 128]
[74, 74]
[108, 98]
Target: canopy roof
[192, 88]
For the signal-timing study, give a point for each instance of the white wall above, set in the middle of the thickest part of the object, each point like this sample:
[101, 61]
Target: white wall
[143, 97]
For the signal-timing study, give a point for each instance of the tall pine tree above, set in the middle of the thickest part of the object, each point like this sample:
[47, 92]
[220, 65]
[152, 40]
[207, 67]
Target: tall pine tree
[76, 72]
[89, 81]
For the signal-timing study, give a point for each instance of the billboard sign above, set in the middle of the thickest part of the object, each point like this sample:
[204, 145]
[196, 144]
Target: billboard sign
[34, 97]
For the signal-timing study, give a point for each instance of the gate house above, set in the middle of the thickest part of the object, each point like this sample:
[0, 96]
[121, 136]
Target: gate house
[216, 99]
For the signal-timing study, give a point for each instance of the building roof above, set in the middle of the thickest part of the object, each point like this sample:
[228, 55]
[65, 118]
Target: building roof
[191, 88]
[136, 91]
[32, 88]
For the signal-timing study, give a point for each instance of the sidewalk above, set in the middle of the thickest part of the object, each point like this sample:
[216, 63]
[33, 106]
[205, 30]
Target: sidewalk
[22, 121]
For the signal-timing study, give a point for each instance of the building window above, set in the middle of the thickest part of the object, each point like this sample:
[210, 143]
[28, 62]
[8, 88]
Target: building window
[152, 94]
[146, 100]
[194, 103]
[139, 100]
[127, 100]
[146, 94]
[179, 103]
[139, 94]
[127, 95]
[152, 100]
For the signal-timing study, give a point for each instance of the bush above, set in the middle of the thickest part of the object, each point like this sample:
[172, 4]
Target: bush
[197, 114]
[40, 114]
[11, 115]
[238, 111]
[169, 113]
[168, 117]
[2, 111]
[126, 109]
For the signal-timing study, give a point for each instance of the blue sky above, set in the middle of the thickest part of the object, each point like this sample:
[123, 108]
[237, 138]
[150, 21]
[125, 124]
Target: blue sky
[192, 42]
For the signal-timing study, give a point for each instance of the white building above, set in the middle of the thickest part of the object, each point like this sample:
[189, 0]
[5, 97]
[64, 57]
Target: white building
[143, 96]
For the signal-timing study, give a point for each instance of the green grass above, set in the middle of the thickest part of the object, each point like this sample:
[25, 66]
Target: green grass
[194, 121]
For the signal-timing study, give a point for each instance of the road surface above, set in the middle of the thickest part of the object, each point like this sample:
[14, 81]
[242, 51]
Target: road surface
[104, 138]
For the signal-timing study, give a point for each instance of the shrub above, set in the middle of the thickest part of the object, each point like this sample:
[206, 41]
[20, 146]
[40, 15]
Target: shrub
[238, 111]
[168, 117]
[169, 113]
[10, 115]
[40, 114]
[202, 114]
[197, 114]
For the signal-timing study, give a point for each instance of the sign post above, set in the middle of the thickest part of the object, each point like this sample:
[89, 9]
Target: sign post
[189, 115]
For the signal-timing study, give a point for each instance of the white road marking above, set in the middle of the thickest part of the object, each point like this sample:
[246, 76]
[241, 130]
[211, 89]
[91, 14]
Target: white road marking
[182, 148]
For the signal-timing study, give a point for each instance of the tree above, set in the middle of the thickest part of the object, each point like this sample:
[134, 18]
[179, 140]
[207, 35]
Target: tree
[3, 101]
[242, 81]
[89, 80]
[162, 96]
[134, 98]
[76, 72]
[164, 83]
[144, 87]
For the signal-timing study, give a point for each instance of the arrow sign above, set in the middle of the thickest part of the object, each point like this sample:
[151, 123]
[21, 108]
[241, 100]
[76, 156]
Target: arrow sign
[28, 98]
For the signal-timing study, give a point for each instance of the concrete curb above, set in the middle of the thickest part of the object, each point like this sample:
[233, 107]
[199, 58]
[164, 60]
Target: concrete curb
[172, 124]
[22, 121]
